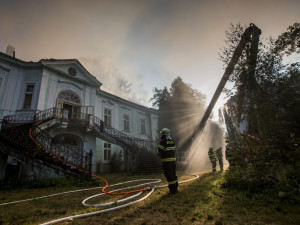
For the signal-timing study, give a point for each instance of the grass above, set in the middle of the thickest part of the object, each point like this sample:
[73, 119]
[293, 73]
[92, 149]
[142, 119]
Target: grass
[202, 201]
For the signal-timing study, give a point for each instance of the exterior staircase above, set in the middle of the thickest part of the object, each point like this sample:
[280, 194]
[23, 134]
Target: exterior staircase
[15, 132]
[148, 163]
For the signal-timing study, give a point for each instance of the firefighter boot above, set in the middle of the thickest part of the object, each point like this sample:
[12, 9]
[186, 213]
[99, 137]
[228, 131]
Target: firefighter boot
[173, 188]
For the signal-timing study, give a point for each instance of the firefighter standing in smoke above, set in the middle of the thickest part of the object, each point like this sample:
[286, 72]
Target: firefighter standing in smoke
[219, 155]
[213, 159]
[166, 150]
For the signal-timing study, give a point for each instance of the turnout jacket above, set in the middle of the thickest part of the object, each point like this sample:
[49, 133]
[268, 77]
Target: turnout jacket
[166, 149]
[219, 153]
[212, 155]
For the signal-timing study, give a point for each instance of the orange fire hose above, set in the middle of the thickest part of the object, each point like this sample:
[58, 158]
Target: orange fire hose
[80, 170]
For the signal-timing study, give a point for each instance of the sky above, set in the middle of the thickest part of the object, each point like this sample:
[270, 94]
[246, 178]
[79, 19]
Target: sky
[133, 46]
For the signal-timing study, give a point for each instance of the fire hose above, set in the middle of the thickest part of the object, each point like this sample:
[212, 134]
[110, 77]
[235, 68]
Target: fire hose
[150, 188]
[150, 182]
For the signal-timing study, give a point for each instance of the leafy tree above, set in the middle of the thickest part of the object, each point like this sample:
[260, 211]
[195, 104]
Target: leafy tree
[289, 41]
[180, 109]
[269, 102]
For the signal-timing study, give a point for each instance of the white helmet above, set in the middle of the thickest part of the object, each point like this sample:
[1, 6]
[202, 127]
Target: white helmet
[165, 131]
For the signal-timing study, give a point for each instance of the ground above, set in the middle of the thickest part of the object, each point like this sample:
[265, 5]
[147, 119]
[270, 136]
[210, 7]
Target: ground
[201, 201]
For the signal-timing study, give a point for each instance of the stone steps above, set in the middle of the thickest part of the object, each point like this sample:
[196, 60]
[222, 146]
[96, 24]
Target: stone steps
[148, 163]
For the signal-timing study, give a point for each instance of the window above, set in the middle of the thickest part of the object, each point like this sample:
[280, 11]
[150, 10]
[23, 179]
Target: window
[28, 96]
[143, 126]
[72, 71]
[107, 151]
[107, 117]
[126, 122]
[69, 96]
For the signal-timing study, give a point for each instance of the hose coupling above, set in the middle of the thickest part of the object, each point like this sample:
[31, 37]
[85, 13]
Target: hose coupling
[150, 187]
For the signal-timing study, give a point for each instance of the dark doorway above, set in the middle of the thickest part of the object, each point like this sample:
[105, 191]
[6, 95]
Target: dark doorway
[67, 110]
[12, 171]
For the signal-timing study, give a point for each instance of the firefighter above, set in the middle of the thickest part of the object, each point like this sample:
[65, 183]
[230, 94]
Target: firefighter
[219, 155]
[212, 157]
[166, 150]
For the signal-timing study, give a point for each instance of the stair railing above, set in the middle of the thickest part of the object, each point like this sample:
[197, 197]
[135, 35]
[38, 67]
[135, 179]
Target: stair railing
[68, 153]
[137, 143]
[16, 119]
[132, 144]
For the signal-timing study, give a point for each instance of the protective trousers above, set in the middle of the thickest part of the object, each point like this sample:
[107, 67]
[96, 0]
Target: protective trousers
[221, 163]
[170, 174]
[214, 165]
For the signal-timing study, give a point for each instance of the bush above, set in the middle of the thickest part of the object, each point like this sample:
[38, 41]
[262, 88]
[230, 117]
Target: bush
[273, 165]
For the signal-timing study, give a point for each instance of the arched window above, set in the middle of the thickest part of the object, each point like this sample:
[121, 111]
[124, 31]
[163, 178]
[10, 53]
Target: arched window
[69, 103]
[69, 96]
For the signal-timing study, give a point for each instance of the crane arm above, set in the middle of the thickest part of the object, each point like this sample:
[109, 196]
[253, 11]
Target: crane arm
[251, 34]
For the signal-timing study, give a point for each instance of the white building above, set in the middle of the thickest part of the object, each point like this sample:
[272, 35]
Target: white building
[66, 87]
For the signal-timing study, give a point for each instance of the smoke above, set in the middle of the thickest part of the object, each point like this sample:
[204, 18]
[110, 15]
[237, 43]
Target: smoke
[129, 87]
[198, 159]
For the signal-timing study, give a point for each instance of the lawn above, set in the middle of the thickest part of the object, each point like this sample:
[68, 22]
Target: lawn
[201, 201]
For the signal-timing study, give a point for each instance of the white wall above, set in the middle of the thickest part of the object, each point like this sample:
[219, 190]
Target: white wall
[14, 85]
[50, 82]
[135, 113]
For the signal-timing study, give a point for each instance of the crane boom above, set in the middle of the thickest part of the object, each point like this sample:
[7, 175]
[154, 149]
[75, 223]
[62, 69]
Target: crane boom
[251, 34]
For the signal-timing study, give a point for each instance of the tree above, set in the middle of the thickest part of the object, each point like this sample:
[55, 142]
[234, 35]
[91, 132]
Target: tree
[180, 109]
[270, 103]
[289, 42]
[256, 100]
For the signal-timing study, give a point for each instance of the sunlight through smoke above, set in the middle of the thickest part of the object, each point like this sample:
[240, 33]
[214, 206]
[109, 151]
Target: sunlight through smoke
[198, 159]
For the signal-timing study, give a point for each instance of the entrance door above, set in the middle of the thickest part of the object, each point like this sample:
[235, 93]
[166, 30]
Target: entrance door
[68, 103]
[67, 109]
[71, 111]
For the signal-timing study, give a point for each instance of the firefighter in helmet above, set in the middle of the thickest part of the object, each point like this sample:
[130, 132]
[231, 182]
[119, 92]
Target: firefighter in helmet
[213, 159]
[166, 150]
[219, 155]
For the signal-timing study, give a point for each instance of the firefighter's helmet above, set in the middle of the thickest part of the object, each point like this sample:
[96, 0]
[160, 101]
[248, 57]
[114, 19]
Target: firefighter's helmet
[165, 131]
[211, 148]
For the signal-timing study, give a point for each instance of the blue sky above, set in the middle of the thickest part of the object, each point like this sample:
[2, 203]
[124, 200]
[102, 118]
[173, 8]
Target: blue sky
[141, 43]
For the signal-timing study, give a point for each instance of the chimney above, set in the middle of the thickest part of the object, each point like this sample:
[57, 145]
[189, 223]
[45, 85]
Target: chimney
[10, 50]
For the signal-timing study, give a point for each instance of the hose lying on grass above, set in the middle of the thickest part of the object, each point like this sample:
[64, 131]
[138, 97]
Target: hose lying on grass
[150, 188]
[136, 192]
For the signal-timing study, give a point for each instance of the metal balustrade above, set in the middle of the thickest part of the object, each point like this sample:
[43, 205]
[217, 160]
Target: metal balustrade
[15, 129]
[181, 157]
[69, 153]
[16, 119]
[128, 141]
[99, 126]
[48, 114]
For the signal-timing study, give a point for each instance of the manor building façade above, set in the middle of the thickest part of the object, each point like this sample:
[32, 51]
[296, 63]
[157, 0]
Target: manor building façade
[66, 86]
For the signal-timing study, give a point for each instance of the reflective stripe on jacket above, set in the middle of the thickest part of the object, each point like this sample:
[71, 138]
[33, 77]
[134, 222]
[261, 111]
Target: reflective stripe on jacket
[166, 149]
[211, 155]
